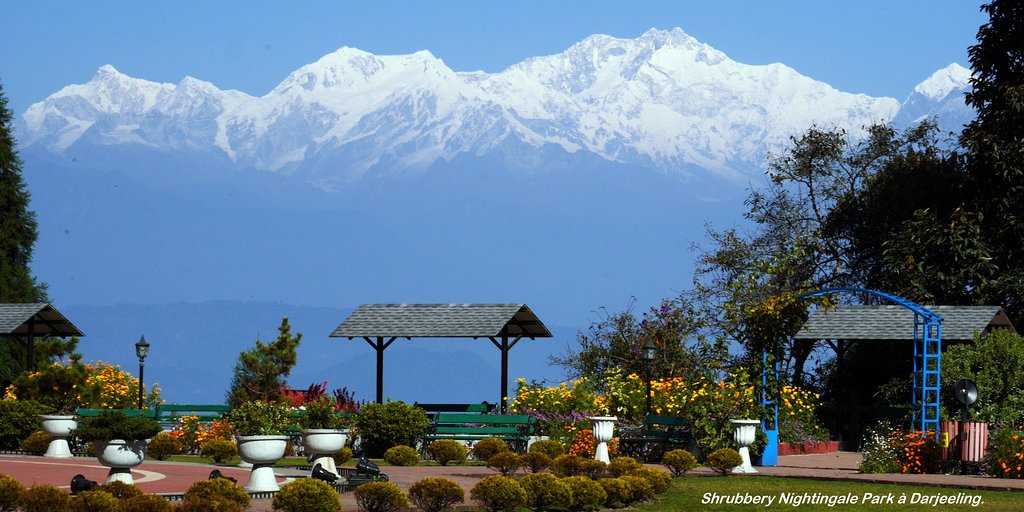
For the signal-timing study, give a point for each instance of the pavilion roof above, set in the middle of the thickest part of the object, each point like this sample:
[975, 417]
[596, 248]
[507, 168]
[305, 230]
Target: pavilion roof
[891, 322]
[35, 318]
[442, 321]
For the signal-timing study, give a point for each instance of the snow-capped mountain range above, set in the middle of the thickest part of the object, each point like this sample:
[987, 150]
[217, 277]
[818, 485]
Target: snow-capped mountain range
[663, 100]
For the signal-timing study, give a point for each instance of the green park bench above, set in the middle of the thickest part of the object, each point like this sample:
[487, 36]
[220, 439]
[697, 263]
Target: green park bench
[434, 409]
[514, 429]
[131, 413]
[657, 435]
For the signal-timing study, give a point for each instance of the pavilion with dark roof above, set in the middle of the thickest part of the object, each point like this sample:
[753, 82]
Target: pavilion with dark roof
[503, 324]
[27, 321]
[890, 322]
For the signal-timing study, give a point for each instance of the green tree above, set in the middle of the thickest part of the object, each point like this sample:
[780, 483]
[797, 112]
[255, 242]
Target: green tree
[995, 362]
[261, 371]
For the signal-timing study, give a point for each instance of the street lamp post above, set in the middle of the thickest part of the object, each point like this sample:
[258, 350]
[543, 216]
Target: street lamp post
[141, 351]
[649, 351]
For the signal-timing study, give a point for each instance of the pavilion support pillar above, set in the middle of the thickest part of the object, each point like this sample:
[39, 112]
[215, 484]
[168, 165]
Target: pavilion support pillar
[504, 345]
[379, 345]
[31, 352]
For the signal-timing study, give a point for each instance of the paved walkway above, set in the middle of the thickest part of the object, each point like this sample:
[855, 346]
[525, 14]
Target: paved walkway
[175, 477]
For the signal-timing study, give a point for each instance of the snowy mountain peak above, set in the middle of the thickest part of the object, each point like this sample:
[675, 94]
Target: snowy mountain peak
[953, 77]
[662, 100]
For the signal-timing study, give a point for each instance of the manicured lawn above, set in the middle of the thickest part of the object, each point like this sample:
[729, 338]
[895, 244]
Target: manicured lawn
[687, 494]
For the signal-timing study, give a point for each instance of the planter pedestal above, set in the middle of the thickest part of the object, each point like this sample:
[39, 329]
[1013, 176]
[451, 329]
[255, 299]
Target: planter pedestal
[262, 452]
[744, 435]
[321, 445]
[120, 457]
[58, 428]
[603, 428]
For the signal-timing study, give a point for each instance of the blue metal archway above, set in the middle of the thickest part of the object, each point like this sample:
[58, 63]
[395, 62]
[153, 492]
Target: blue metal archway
[927, 379]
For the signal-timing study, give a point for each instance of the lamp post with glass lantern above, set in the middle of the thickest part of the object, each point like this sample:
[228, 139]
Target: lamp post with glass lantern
[650, 350]
[141, 351]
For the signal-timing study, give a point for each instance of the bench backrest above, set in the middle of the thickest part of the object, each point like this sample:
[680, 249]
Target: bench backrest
[455, 418]
[131, 413]
[193, 409]
[480, 408]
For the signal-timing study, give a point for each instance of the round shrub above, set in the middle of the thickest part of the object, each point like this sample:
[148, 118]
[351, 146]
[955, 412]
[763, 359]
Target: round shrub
[536, 461]
[18, 419]
[587, 494]
[639, 488]
[380, 497]
[401, 455]
[622, 466]
[163, 445]
[593, 468]
[488, 447]
[435, 494]
[221, 492]
[658, 479]
[545, 491]
[548, 447]
[507, 463]
[307, 495]
[342, 456]
[120, 490]
[617, 492]
[679, 462]
[10, 493]
[567, 465]
[724, 459]
[498, 493]
[219, 450]
[36, 443]
[146, 503]
[94, 501]
[382, 426]
[208, 506]
[445, 451]
[44, 498]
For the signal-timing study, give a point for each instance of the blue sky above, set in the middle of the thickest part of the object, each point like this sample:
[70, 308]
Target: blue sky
[874, 47]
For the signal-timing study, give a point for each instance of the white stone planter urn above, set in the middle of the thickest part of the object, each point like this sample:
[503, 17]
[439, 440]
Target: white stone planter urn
[322, 444]
[120, 456]
[603, 428]
[744, 435]
[59, 428]
[262, 452]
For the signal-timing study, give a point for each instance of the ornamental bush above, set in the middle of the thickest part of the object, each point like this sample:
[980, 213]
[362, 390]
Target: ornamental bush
[307, 495]
[617, 493]
[435, 494]
[44, 498]
[110, 425]
[380, 497]
[499, 493]
[623, 465]
[882, 449]
[343, 456]
[921, 453]
[146, 503]
[382, 426]
[163, 445]
[639, 488]
[583, 444]
[507, 463]
[486, 448]
[36, 443]
[567, 465]
[592, 468]
[659, 480]
[219, 450]
[545, 491]
[219, 494]
[445, 451]
[120, 490]
[536, 461]
[724, 459]
[548, 447]
[256, 418]
[18, 420]
[401, 455]
[1005, 452]
[94, 501]
[679, 461]
[587, 494]
[10, 493]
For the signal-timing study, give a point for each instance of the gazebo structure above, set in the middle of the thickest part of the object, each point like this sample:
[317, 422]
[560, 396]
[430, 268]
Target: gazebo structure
[27, 321]
[503, 324]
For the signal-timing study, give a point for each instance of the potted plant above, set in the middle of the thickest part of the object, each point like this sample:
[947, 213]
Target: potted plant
[119, 441]
[324, 432]
[58, 386]
[260, 429]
